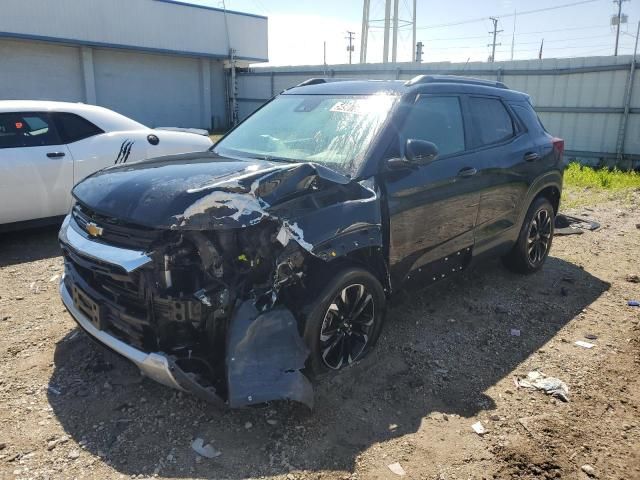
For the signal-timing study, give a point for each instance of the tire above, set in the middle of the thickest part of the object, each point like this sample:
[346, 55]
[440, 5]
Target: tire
[534, 242]
[326, 324]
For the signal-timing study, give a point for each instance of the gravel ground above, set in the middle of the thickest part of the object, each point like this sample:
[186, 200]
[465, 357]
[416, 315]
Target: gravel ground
[447, 359]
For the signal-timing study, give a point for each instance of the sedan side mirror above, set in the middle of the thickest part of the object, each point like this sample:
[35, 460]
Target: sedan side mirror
[420, 152]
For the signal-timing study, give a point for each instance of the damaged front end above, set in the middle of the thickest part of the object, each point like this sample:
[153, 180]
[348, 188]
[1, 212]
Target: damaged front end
[210, 301]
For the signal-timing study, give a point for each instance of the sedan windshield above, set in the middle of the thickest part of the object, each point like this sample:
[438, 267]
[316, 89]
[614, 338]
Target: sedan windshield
[332, 130]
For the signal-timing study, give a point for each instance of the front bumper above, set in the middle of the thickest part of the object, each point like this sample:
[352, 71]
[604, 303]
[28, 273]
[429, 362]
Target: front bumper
[156, 366]
[153, 365]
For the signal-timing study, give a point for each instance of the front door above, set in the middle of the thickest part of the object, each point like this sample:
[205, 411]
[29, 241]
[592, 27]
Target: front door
[432, 208]
[36, 171]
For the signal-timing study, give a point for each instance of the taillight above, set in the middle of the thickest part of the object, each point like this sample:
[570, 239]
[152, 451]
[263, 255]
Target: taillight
[558, 145]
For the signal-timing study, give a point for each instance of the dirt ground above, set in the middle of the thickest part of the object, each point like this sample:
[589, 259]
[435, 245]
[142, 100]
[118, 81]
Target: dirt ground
[446, 360]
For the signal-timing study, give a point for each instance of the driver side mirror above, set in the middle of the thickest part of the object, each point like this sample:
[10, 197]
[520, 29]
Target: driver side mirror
[416, 153]
[420, 152]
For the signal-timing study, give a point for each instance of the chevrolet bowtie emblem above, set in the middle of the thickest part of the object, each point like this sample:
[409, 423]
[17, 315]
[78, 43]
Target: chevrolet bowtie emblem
[94, 230]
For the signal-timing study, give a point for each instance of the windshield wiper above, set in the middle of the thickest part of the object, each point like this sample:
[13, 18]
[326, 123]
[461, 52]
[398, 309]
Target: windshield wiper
[271, 158]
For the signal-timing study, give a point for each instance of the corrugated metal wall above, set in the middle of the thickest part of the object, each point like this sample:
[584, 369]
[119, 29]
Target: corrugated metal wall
[154, 89]
[579, 99]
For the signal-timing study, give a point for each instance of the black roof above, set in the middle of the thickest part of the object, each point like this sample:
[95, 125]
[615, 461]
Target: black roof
[420, 84]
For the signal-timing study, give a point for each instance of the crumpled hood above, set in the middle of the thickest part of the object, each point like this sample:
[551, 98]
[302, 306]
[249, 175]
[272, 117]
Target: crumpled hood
[198, 190]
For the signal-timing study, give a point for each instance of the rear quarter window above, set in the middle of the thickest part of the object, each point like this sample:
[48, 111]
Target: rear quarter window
[528, 117]
[73, 128]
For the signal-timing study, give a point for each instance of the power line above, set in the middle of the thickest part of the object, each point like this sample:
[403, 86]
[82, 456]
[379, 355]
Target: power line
[527, 12]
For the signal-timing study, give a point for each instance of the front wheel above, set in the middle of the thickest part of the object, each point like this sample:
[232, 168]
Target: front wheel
[344, 320]
[534, 242]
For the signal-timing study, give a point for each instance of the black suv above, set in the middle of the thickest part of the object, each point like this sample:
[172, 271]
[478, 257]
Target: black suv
[237, 272]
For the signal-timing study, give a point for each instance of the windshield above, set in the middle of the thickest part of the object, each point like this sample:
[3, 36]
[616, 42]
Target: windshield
[333, 130]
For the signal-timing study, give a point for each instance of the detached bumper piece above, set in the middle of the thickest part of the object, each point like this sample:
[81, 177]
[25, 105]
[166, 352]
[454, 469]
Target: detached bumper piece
[109, 292]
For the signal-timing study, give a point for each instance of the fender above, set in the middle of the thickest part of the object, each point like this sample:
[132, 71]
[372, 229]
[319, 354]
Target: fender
[552, 178]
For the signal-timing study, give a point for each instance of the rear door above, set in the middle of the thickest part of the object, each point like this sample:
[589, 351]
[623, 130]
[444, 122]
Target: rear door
[501, 149]
[432, 208]
[36, 169]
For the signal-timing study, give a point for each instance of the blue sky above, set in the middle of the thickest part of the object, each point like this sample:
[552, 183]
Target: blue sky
[298, 28]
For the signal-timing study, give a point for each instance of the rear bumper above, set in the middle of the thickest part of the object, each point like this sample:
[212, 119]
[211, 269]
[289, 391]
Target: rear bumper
[156, 366]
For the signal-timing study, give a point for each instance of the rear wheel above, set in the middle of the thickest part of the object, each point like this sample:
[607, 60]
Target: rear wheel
[534, 242]
[344, 320]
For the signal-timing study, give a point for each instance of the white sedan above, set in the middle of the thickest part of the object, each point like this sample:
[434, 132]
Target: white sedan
[48, 147]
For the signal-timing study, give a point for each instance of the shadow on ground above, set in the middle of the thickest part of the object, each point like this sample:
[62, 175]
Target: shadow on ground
[29, 245]
[441, 349]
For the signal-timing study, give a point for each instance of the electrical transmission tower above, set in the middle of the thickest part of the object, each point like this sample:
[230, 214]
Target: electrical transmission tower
[493, 44]
[350, 48]
[617, 20]
[392, 23]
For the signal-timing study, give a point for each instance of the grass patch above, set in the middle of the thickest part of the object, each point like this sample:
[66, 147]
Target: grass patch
[577, 175]
[589, 186]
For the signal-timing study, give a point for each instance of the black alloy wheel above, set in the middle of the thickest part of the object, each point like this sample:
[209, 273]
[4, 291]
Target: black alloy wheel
[343, 319]
[347, 326]
[534, 241]
[539, 238]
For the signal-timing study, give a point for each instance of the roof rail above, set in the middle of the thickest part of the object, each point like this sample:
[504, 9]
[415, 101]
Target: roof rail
[316, 81]
[453, 79]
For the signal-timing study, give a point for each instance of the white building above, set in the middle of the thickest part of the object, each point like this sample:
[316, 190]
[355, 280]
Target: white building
[160, 62]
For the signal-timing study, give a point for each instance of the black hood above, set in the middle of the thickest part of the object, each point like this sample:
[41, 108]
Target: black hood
[198, 190]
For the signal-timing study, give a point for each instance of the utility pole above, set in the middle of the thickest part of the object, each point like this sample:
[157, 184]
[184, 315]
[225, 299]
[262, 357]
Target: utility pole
[387, 24]
[350, 46]
[364, 34]
[418, 55]
[324, 57]
[413, 43]
[618, 21]
[493, 44]
[513, 35]
[394, 48]
[540, 52]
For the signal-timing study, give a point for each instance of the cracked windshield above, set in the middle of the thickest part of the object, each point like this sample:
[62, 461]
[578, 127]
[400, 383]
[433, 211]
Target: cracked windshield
[332, 130]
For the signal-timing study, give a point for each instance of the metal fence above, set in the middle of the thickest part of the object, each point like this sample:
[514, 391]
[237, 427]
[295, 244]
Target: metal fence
[591, 102]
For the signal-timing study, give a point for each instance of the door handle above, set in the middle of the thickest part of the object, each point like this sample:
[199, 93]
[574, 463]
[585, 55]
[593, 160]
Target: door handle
[55, 154]
[467, 172]
[531, 156]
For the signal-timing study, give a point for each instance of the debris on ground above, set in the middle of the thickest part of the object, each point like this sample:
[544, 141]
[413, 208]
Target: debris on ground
[590, 336]
[73, 454]
[54, 443]
[633, 303]
[204, 450]
[515, 332]
[584, 344]
[479, 428]
[397, 469]
[589, 470]
[550, 385]
[633, 278]
[568, 225]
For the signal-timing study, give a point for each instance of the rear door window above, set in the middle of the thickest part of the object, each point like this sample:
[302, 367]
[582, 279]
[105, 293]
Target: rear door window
[437, 120]
[27, 129]
[491, 121]
[73, 127]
